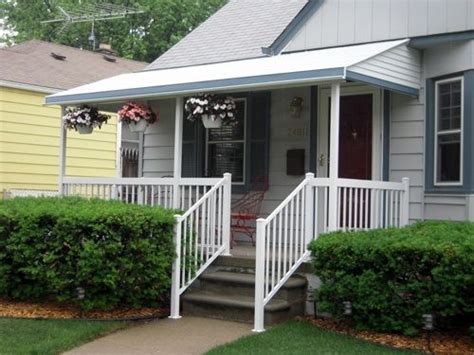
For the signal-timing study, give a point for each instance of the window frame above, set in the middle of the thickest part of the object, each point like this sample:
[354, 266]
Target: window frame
[459, 131]
[244, 142]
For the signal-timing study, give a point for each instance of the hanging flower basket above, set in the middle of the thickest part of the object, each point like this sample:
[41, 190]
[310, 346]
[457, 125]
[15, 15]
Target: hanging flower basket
[208, 122]
[84, 118]
[85, 129]
[212, 110]
[137, 116]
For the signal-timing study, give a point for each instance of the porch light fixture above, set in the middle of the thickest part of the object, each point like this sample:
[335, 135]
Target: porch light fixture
[347, 308]
[296, 106]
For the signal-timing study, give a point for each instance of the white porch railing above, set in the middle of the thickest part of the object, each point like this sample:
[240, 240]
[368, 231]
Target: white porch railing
[283, 236]
[142, 191]
[202, 234]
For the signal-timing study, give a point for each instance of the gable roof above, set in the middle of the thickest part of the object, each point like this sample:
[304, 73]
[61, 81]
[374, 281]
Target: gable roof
[237, 31]
[31, 63]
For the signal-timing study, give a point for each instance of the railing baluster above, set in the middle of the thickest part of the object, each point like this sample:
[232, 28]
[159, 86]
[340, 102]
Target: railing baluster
[325, 209]
[356, 209]
[292, 240]
[297, 224]
[273, 257]
[338, 209]
[285, 240]
[279, 246]
[267, 260]
[184, 246]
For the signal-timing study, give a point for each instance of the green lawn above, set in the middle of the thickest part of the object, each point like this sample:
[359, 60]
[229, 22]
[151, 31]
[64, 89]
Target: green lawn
[19, 336]
[301, 338]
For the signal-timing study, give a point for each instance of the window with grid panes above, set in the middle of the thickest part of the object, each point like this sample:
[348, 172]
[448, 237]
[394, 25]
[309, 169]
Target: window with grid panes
[225, 147]
[449, 122]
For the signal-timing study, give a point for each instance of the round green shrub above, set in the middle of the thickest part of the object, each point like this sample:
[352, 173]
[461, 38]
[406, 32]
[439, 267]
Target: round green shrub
[118, 254]
[392, 277]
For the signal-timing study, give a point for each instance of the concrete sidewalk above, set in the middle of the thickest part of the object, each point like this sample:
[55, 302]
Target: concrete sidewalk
[189, 335]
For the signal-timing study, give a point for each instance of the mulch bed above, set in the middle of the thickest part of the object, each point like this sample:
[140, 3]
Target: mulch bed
[51, 310]
[453, 342]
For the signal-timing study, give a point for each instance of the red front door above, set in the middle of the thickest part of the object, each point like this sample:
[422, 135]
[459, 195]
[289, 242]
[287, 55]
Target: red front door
[355, 139]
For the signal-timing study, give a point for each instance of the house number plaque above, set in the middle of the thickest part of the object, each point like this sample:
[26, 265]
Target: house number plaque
[297, 132]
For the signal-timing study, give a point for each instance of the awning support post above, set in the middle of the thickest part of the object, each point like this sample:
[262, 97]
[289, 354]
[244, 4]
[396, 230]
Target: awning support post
[62, 153]
[334, 155]
[178, 149]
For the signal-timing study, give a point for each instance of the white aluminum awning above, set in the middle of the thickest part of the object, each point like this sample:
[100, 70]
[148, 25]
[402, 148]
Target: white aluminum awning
[390, 65]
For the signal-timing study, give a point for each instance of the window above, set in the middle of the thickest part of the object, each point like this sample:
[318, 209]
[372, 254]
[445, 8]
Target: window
[225, 147]
[448, 125]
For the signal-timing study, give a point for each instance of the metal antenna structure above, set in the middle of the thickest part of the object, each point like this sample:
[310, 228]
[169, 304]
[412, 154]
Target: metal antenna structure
[91, 13]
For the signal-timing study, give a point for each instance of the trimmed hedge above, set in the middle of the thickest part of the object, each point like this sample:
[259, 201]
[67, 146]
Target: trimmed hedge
[393, 277]
[119, 254]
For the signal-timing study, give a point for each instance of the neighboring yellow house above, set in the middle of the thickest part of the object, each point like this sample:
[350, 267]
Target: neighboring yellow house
[29, 131]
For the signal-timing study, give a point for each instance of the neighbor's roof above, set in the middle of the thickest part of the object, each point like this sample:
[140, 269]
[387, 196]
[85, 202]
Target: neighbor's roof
[31, 63]
[303, 68]
[237, 31]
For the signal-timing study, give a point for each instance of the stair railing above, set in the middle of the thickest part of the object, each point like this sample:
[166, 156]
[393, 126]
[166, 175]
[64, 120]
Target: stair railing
[283, 237]
[202, 233]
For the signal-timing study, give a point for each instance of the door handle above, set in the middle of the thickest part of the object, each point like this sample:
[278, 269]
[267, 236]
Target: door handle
[322, 160]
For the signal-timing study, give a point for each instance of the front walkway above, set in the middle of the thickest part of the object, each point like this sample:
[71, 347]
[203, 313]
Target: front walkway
[189, 335]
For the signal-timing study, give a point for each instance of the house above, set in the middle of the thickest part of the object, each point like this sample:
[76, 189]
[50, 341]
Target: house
[29, 131]
[373, 99]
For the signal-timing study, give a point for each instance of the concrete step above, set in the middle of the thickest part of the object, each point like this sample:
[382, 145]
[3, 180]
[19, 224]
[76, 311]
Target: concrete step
[236, 307]
[241, 283]
[247, 264]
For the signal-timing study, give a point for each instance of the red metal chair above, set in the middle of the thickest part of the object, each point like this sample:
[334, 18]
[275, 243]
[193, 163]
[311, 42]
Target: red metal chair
[246, 210]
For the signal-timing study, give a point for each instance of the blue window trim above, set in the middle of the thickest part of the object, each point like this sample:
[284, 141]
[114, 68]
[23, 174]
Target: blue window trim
[468, 130]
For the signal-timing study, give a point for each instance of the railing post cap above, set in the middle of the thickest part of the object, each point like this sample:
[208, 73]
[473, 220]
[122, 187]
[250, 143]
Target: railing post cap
[310, 175]
[406, 180]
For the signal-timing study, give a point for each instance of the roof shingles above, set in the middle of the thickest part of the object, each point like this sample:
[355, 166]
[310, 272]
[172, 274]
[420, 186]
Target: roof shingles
[237, 31]
[31, 63]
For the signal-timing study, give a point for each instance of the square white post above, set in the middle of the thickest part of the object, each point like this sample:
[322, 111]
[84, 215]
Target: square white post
[309, 216]
[176, 272]
[405, 203]
[334, 155]
[226, 207]
[178, 149]
[62, 153]
[259, 312]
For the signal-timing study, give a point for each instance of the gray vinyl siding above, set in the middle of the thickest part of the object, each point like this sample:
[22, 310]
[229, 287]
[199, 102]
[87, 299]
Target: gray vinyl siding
[281, 141]
[407, 147]
[447, 207]
[335, 24]
[400, 65]
[158, 147]
[449, 58]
